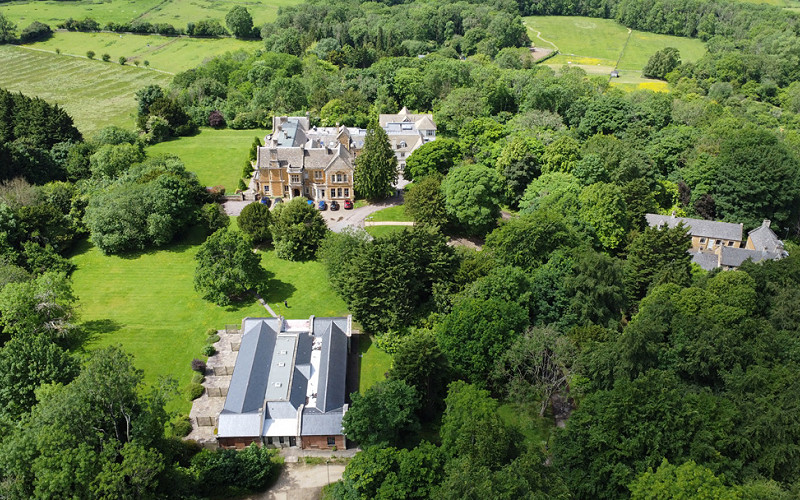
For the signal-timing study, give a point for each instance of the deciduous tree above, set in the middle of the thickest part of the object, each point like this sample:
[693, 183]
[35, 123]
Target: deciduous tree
[297, 230]
[384, 415]
[227, 268]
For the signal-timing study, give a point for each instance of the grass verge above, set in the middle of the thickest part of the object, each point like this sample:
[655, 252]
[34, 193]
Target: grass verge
[377, 231]
[396, 213]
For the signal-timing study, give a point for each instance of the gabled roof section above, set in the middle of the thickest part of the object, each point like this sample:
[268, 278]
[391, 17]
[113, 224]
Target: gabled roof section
[699, 227]
[735, 257]
[332, 368]
[250, 375]
[425, 123]
[764, 238]
[340, 158]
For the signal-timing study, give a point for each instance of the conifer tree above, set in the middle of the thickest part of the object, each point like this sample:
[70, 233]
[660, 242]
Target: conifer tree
[376, 166]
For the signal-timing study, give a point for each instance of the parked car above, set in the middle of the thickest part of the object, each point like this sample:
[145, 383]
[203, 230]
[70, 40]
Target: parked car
[322, 205]
[348, 205]
[276, 202]
[334, 205]
[266, 201]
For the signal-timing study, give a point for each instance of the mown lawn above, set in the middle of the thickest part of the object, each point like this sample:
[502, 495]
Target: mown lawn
[396, 213]
[176, 12]
[146, 303]
[169, 54]
[216, 156]
[597, 44]
[94, 93]
[374, 363]
[303, 285]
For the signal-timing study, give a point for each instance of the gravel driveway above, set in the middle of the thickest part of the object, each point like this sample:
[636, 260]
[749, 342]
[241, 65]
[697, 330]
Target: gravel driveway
[301, 482]
[337, 220]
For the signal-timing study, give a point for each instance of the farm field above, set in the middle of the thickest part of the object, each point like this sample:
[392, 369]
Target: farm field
[94, 93]
[146, 303]
[596, 44]
[53, 12]
[216, 156]
[168, 54]
[176, 12]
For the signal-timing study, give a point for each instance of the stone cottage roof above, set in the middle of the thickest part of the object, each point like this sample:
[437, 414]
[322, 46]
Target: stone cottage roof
[764, 238]
[699, 227]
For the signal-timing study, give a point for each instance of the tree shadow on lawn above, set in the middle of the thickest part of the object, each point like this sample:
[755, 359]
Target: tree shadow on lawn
[88, 331]
[274, 290]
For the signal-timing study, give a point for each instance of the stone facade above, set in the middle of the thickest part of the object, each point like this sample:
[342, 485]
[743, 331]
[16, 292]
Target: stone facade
[318, 162]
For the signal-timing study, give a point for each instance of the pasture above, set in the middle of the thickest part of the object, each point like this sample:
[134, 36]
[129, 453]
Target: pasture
[167, 54]
[96, 94]
[175, 12]
[216, 156]
[596, 45]
[146, 303]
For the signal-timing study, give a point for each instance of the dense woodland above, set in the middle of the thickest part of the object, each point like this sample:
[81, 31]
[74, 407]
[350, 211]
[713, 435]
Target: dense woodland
[672, 381]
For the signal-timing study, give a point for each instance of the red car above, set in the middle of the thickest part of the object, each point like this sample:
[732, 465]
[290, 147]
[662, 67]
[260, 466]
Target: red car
[348, 205]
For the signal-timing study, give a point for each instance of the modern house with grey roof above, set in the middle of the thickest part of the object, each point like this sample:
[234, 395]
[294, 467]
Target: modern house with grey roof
[288, 384]
[720, 244]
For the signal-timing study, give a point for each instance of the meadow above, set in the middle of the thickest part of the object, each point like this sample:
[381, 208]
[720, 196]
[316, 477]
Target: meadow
[167, 54]
[146, 303]
[94, 93]
[176, 12]
[596, 45]
[216, 156]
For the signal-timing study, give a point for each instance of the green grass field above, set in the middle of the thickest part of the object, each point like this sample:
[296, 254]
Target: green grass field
[94, 93]
[176, 12]
[53, 12]
[396, 213]
[168, 54]
[374, 364]
[147, 303]
[216, 156]
[596, 44]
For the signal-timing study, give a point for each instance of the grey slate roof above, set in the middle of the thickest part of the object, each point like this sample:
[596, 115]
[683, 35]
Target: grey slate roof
[706, 260]
[699, 227]
[735, 257]
[332, 371]
[273, 369]
[250, 375]
[764, 238]
[316, 423]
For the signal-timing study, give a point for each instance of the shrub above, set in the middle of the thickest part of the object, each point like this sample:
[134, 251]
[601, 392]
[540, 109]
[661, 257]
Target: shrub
[212, 339]
[209, 350]
[106, 57]
[36, 31]
[146, 63]
[216, 120]
[58, 51]
[182, 426]
[122, 60]
[242, 185]
[199, 365]
[195, 391]
[198, 378]
[90, 54]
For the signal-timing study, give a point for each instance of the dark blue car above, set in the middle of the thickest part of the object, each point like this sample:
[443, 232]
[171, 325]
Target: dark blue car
[322, 205]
